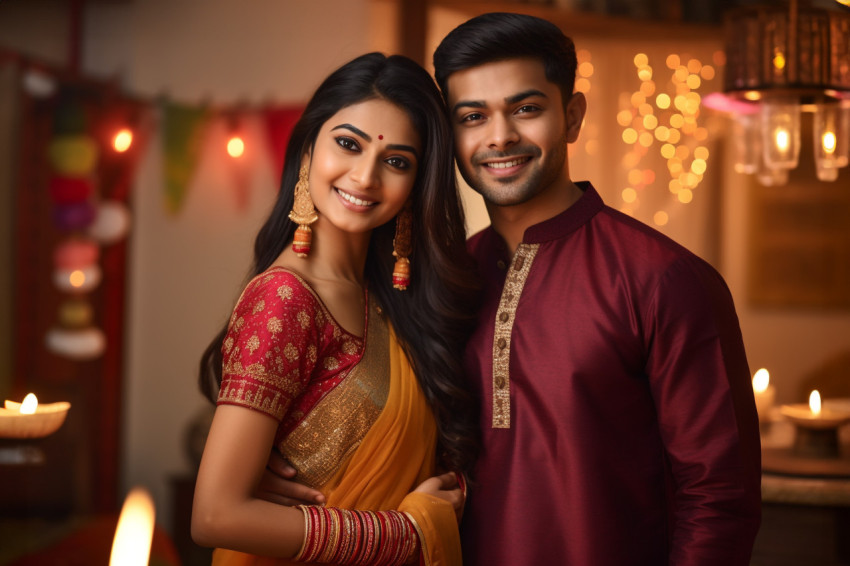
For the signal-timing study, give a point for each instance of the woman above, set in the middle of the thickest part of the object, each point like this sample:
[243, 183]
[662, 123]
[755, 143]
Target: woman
[356, 382]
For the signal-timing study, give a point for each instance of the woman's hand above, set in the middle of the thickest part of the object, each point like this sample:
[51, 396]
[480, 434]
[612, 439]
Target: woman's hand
[445, 487]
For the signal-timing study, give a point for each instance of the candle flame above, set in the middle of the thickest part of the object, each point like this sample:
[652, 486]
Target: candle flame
[814, 402]
[761, 380]
[29, 405]
[122, 140]
[134, 533]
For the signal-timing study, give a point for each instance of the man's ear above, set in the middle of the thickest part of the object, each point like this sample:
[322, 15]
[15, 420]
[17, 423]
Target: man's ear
[576, 108]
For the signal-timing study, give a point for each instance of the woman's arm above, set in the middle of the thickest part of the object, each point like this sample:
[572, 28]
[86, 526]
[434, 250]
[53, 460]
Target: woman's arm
[226, 513]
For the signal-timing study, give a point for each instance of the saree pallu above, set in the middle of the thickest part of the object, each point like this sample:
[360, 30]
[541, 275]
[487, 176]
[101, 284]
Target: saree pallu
[395, 455]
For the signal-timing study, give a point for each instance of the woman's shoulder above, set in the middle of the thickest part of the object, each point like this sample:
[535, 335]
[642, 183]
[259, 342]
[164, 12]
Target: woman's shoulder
[278, 288]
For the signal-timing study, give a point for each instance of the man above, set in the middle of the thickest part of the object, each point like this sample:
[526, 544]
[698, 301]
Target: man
[618, 419]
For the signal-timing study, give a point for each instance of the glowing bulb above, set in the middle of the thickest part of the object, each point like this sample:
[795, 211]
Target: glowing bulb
[782, 139]
[77, 278]
[761, 380]
[779, 61]
[828, 141]
[29, 404]
[814, 402]
[629, 195]
[660, 218]
[122, 140]
[134, 533]
[235, 147]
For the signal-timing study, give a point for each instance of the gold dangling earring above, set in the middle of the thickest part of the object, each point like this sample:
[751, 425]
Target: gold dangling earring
[402, 247]
[303, 213]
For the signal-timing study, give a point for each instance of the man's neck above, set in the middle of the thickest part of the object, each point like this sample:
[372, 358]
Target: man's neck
[511, 222]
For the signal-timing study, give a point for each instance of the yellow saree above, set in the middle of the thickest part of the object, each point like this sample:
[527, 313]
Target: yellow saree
[395, 454]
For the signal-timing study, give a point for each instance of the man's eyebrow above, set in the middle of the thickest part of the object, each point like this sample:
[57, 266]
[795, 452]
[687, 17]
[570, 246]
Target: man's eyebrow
[513, 99]
[468, 104]
[357, 131]
[524, 94]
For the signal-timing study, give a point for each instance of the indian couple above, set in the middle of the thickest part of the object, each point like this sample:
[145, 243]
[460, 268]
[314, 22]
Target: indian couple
[581, 374]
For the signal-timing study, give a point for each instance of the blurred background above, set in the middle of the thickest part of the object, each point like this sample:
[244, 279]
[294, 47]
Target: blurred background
[161, 228]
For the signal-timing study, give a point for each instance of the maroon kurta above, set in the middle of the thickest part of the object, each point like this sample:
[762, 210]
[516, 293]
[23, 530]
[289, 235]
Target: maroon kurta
[618, 416]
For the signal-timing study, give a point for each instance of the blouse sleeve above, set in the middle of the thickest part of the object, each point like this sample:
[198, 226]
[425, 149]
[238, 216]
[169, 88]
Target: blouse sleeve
[271, 345]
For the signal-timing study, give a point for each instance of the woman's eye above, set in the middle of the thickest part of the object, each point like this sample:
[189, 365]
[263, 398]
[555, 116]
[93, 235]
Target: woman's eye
[398, 163]
[347, 143]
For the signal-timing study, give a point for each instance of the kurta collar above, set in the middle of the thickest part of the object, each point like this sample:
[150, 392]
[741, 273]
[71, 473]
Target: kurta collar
[568, 221]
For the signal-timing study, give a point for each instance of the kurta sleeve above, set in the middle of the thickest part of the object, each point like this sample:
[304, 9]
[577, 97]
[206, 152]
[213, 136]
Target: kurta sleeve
[271, 345]
[701, 384]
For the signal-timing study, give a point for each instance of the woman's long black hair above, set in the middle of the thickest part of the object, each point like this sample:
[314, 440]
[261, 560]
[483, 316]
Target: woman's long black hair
[434, 316]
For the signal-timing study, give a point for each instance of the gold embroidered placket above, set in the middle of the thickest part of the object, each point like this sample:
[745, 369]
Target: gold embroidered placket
[514, 283]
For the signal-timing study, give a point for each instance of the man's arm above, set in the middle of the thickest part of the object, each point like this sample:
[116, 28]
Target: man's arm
[280, 486]
[701, 385]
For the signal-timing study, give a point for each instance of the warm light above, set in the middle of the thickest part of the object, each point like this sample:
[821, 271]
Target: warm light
[235, 147]
[828, 141]
[752, 95]
[781, 139]
[29, 404]
[779, 61]
[814, 402]
[77, 278]
[761, 380]
[660, 218]
[122, 140]
[629, 195]
[663, 101]
[134, 533]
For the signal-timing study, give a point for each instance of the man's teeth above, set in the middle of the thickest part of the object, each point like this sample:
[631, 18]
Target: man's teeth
[506, 164]
[354, 200]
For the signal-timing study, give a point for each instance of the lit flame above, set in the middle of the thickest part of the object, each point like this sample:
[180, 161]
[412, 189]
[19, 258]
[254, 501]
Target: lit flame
[77, 278]
[122, 140]
[29, 405]
[814, 402]
[779, 61]
[828, 141]
[761, 380]
[782, 139]
[134, 533]
[235, 147]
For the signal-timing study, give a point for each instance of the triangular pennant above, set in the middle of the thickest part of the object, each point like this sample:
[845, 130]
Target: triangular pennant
[279, 123]
[182, 133]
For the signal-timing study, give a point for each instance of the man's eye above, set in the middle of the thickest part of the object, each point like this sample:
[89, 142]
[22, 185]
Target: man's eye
[472, 117]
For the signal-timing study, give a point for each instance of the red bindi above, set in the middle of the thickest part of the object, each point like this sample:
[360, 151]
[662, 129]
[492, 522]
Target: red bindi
[380, 136]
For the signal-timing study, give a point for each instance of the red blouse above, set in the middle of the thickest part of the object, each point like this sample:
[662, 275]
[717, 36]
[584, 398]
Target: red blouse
[284, 351]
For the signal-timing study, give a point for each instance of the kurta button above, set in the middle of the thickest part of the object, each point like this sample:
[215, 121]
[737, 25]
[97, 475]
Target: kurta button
[501, 264]
[504, 316]
[502, 343]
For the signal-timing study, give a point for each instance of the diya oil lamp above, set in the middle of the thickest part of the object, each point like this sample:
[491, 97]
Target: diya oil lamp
[816, 427]
[27, 421]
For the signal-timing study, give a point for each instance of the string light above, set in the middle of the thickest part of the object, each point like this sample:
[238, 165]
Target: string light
[235, 147]
[123, 140]
[669, 119]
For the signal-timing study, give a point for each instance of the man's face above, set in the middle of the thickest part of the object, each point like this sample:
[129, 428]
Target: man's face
[511, 131]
